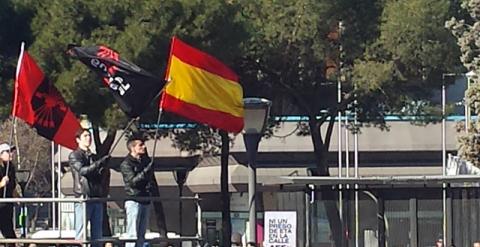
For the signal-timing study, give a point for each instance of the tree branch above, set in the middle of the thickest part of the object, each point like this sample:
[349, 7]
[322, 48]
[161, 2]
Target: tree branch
[108, 142]
[347, 99]
[96, 136]
[32, 173]
[303, 103]
[103, 148]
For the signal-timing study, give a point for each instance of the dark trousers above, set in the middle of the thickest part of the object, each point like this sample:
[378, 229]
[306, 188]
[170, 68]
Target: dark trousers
[107, 231]
[6, 221]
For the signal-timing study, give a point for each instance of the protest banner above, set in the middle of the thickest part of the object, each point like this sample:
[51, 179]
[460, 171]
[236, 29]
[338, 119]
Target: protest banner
[280, 229]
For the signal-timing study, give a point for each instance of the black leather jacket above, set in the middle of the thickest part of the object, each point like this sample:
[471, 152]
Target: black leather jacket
[137, 176]
[87, 173]
[10, 187]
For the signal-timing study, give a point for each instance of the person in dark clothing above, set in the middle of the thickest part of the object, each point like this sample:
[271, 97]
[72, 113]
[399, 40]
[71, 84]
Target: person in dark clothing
[7, 182]
[137, 172]
[87, 182]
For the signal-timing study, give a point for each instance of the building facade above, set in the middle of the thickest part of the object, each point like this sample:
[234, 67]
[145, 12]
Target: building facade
[412, 216]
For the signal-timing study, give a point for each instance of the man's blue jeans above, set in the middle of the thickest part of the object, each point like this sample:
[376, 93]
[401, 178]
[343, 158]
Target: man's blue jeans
[137, 221]
[95, 216]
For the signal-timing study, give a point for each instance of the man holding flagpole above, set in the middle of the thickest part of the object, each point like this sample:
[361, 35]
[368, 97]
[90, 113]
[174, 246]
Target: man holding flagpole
[138, 175]
[8, 183]
[87, 182]
[133, 88]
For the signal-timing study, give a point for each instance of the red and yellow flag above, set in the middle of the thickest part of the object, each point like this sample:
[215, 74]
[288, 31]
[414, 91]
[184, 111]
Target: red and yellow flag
[202, 88]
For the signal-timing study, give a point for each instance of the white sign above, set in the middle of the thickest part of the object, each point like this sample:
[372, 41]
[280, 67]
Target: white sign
[280, 229]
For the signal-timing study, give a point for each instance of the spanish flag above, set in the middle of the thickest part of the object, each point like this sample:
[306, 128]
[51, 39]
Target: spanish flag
[203, 89]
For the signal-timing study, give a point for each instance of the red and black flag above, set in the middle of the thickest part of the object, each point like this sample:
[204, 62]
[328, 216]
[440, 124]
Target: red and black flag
[133, 87]
[40, 105]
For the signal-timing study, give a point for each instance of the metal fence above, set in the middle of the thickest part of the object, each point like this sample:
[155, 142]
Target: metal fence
[423, 211]
[59, 239]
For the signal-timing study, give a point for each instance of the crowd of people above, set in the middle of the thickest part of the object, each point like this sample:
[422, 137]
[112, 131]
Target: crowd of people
[91, 175]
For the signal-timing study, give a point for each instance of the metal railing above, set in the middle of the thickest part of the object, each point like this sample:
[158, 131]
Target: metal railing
[63, 241]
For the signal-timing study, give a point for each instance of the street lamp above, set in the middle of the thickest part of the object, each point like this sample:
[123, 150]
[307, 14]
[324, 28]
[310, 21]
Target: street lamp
[256, 115]
[22, 179]
[180, 176]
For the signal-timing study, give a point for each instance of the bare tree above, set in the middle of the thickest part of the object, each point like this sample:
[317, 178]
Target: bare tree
[33, 153]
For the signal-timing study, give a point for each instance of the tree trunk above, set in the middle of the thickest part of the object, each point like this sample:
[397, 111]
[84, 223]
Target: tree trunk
[103, 148]
[226, 221]
[326, 193]
[158, 208]
[381, 220]
[33, 220]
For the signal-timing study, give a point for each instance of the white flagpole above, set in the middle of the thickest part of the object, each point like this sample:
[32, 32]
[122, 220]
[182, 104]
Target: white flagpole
[120, 137]
[347, 147]
[160, 111]
[59, 188]
[355, 160]
[20, 57]
[54, 218]
[14, 119]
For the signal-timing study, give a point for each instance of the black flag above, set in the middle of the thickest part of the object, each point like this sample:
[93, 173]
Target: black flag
[133, 87]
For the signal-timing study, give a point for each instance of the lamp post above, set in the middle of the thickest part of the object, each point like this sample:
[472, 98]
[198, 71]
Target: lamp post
[22, 178]
[180, 176]
[256, 115]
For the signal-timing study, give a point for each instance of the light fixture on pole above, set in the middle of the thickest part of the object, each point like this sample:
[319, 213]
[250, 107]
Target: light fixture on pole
[180, 176]
[256, 114]
[22, 179]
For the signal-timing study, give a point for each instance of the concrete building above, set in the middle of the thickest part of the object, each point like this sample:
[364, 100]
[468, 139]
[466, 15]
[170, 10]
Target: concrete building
[402, 149]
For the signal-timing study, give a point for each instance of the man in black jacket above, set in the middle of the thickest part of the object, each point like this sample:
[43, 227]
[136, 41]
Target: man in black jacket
[7, 182]
[137, 171]
[87, 182]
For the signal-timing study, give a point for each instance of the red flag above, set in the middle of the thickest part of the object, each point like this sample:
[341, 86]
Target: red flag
[39, 104]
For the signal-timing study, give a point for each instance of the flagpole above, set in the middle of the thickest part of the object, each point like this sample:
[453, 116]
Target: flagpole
[14, 119]
[123, 133]
[160, 108]
[52, 171]
[14, 122]
[160, 111]
[59, 188]
[19, 64]
[15, 137]
[131, 122]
